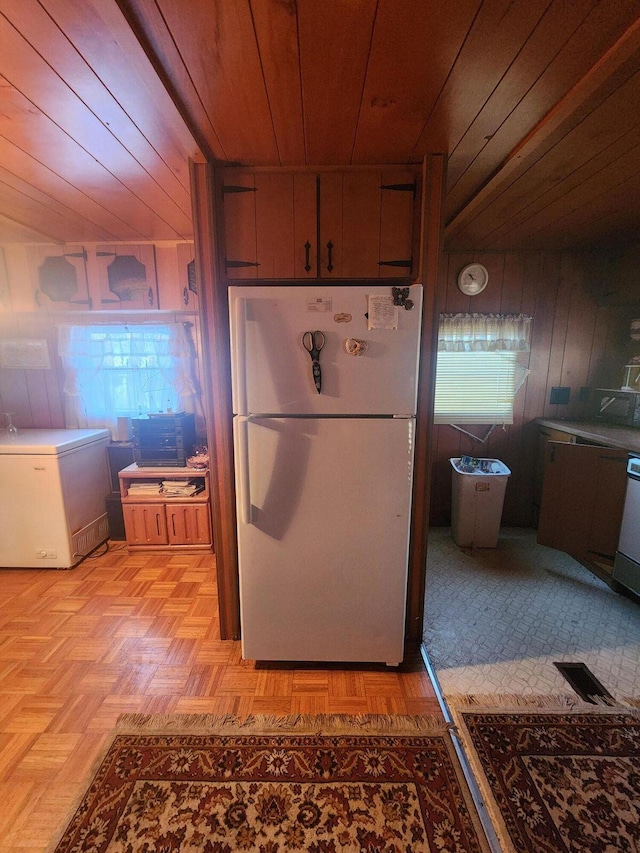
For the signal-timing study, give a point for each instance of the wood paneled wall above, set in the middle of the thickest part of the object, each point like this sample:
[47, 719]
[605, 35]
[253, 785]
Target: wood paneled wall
[35, 396]
[576, 342]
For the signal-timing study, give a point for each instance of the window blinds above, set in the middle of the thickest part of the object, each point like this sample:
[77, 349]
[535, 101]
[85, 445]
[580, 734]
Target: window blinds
[475, 387]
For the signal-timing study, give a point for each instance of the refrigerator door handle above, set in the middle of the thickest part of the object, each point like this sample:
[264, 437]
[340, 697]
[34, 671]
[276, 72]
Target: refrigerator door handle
[242, 461]
[238, 355]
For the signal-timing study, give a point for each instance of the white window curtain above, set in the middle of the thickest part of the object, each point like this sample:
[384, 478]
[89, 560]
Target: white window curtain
[113, 371]
[478, 373]
[484, 333]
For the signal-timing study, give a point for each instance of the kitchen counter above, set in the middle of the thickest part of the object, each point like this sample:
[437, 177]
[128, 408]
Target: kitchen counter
[609, 435]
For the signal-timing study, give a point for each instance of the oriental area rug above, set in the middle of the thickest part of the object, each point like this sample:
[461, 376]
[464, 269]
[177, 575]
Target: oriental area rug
[557, 781]
[327, 784]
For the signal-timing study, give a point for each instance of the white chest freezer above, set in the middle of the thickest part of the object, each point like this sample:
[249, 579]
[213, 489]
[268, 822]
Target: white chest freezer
[53, 486]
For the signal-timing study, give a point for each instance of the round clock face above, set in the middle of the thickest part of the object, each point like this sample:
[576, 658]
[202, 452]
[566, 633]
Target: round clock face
[473, 279]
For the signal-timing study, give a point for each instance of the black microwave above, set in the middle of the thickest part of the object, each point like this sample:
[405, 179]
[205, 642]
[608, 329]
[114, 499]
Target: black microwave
[617, 407]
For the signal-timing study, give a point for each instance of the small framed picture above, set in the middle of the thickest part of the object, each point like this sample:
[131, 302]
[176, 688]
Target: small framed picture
[25, 354]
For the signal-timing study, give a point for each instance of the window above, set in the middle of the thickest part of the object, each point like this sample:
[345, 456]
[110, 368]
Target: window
[477, 373]
[124, 371]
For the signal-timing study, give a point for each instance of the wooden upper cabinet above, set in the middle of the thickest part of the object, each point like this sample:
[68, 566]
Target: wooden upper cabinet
[123, 277]
[582, 501]
[58, 277]
[366, 224]
[99, 277]
[335, 224]
[270, 225]
[5, 292]
[176, 273]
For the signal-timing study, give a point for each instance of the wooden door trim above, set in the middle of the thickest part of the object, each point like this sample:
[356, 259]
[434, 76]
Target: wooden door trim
[430, 251]
[207, 196]
[206, 191]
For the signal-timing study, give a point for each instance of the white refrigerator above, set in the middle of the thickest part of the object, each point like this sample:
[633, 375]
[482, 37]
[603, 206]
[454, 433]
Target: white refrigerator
[53, 486]
[324, 464]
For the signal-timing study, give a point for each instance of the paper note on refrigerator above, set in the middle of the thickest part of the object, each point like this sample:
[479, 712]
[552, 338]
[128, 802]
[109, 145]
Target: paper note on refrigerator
[383, 314]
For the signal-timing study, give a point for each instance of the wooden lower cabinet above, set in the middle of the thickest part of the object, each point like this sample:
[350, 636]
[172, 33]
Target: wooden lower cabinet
[545, 435]
[582, 502]
[188, 525]
[162, 522]
[145, 524]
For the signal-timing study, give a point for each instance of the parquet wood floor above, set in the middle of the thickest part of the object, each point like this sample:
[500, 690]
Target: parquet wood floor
[122, 633]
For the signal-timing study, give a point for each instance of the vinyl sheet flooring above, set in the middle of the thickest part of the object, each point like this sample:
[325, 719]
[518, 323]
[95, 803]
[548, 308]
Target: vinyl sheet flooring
[497, 619]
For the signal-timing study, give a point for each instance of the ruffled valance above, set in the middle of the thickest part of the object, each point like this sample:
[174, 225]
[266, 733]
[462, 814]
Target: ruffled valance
[484, 332]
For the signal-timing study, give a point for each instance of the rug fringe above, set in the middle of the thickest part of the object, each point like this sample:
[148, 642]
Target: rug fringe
[396, 724]
[561, 702]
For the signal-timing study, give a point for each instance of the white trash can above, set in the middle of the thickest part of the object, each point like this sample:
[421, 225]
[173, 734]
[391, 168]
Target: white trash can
[478, 495]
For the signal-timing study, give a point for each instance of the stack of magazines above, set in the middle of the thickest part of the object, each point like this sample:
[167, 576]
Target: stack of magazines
[181, 488]
[143, 487]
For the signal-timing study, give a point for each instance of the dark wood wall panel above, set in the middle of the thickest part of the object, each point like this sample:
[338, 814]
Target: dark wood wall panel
[575, 343]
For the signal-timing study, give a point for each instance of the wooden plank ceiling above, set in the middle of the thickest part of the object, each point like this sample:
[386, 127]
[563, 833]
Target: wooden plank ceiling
[536, 103]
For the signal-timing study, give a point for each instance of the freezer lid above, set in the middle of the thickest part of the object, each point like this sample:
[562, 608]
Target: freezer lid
[49, 442]
[368, 364]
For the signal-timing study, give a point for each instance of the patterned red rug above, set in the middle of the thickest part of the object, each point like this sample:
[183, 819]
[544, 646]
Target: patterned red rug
[324, 785]
[558, 782]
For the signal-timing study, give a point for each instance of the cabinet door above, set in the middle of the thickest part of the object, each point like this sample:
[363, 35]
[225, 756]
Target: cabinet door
[145, 524]
[545, 435]
[366, 224]
[189, 524]
[5, 293]
[58, 275]
[123, 276]
[175, 270]
[270, 225]
[582, 500]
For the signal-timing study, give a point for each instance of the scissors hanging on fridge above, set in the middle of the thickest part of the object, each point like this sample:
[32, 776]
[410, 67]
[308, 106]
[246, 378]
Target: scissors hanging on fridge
[313, 343]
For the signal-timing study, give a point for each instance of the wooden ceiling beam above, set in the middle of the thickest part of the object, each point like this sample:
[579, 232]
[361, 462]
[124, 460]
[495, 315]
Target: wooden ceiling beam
[567, 113]
[17, 232]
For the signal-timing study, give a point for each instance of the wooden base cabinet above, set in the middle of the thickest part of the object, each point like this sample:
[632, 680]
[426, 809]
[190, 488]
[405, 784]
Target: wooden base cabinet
[188, 524]
[145, 524]
[582, 502]
[162, 522]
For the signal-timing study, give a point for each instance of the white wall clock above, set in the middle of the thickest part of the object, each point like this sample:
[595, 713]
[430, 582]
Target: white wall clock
[473, 279]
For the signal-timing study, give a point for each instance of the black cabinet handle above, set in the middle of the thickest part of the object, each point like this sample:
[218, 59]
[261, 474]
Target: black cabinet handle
[307, 250]
[329, 255]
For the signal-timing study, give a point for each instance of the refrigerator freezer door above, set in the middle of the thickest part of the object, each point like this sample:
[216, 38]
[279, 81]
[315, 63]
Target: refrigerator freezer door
[323, 528]
[272, 372]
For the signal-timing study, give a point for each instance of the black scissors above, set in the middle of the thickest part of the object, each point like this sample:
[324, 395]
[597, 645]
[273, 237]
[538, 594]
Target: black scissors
[313, 343]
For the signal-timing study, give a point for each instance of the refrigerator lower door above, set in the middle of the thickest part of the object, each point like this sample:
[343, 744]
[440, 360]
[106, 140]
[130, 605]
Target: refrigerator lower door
[323, 533]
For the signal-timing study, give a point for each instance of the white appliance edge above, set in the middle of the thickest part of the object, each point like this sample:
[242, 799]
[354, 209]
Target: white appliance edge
[52, 501]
